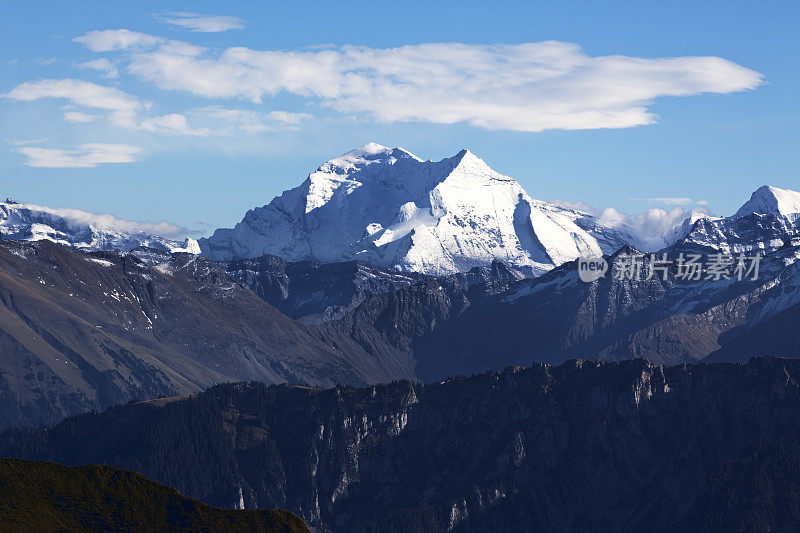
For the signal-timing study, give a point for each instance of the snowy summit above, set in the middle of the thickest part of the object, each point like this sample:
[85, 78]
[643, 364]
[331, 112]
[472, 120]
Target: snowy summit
[764, 223]
[389, 207]
[768, 200]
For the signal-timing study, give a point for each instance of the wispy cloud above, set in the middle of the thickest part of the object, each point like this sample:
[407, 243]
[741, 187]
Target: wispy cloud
[122, 106]
[77, 116]
[580, 205]
[666, 200]
[125, 111]
[109, 40]
[110, 222]
[523, 87]
[202, 23]
[81, 156]
[103, 65]
[78, 92]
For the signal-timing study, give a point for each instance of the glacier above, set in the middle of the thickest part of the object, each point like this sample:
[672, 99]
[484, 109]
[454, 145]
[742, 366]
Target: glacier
[388, 207]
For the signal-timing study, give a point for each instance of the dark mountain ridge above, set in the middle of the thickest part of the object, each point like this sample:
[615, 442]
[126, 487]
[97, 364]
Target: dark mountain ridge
[584, 446]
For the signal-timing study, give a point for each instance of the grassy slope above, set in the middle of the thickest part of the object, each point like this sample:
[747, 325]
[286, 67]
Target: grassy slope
[40, 496]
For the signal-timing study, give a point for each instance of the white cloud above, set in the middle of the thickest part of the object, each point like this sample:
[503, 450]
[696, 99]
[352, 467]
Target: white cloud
[668, 200]
[125, 111]
[580, 205]
[172, 124]
[77, 116]
[655, 229]
[24, 142]
[652, 230]
[202, 23]
[110, 222]
[108, 40]
[219, 121]
[81, 156]
[102, 65]
[78, 92]
[226, 121]
[122, 106]
[523, 87]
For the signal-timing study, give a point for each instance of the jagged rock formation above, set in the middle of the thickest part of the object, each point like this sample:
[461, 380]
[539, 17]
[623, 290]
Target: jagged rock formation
[314, 292]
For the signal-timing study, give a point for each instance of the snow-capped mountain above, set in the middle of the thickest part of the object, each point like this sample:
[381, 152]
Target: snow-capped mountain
[388, 207]
[765, 222]
[768, 200]
[78, 229]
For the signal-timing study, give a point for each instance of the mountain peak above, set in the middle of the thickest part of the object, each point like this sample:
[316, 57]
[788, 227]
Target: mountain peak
[386, 206]
[468, 160]
[368, 154]
[771, 200]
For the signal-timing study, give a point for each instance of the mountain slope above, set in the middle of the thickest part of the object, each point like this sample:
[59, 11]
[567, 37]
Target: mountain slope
[448, 328]
[71, 227]
[389, 208]
[38, 496]
[83, 331]
[625, 446]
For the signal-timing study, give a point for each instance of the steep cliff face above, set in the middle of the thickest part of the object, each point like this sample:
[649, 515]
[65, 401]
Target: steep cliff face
[622, 446]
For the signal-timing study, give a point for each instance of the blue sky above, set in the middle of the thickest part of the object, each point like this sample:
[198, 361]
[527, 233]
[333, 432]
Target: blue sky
[200, 135]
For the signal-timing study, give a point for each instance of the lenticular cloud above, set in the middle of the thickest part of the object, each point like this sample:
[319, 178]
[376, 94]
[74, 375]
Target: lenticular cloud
[523, 87]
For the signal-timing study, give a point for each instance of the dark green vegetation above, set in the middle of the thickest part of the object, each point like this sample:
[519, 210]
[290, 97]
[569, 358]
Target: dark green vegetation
[38, 496]
[622, 446]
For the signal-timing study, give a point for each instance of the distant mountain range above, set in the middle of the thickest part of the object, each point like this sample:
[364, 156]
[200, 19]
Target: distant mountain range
[388, 208]
[767, 221]
[625, 446]
[72, 227]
